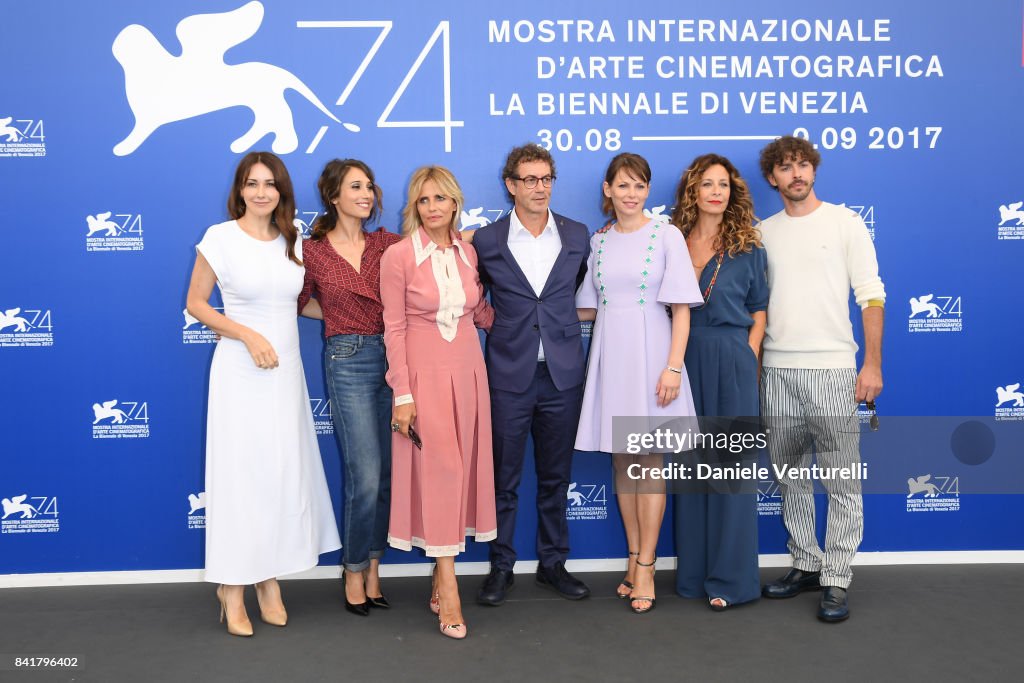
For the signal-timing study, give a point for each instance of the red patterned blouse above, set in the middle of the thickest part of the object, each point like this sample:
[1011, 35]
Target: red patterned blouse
[350, 300]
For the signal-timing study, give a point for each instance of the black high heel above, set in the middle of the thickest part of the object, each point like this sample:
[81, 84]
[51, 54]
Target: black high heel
[378, 603]
[361, 609]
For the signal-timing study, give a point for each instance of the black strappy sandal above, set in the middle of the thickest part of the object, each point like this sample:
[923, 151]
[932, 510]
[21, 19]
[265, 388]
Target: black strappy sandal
[627, 584]
[638, 598]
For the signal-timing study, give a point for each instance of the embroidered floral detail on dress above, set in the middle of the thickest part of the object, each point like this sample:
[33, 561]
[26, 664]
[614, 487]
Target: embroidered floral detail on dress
[643, 272]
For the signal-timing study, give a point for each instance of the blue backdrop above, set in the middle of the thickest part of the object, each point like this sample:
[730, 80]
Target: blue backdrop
[121, 123]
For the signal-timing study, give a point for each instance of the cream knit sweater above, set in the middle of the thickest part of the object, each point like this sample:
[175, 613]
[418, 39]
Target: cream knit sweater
[813, 262]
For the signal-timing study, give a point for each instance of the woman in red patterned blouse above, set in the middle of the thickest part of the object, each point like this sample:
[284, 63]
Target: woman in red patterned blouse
[343, 274]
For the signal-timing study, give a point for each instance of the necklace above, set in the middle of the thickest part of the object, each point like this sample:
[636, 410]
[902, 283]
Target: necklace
[714, 277]
[701, 266]
[644, 271]
[692, 243]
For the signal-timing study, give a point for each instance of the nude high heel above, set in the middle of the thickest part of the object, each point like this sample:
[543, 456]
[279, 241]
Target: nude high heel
[244, 628]
[276, 614]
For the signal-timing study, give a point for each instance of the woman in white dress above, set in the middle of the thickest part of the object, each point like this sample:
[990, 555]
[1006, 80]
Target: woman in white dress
[268, 510]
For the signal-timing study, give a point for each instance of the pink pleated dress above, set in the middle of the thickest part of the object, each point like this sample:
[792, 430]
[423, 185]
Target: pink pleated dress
[433, 305]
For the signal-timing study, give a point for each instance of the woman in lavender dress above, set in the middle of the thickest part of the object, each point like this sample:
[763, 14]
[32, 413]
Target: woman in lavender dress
[637, 267]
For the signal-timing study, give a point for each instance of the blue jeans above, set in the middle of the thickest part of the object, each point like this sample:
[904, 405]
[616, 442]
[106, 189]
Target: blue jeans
[361, 410]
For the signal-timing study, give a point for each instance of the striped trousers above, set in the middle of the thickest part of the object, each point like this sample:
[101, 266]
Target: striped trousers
[806, 413]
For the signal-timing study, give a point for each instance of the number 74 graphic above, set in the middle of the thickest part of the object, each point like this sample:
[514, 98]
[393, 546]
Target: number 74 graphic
[442, 32]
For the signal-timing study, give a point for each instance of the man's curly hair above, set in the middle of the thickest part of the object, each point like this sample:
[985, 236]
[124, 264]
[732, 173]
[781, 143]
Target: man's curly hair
[787, 148]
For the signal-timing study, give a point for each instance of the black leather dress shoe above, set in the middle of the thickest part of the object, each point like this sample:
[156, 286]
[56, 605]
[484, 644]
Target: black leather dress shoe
[495, 587]
[556, 578]
[833, 606]
[794, 582]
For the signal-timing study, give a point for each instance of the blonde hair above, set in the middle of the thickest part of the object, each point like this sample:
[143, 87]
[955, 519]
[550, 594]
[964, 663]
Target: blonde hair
[446, 182]
[738, 232]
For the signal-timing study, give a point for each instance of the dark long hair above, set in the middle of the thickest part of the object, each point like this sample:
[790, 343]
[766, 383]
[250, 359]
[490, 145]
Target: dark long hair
[284, 214]
[329, 186]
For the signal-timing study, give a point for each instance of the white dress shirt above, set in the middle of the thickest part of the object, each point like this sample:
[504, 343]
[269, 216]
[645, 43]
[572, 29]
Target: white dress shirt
[535, 255]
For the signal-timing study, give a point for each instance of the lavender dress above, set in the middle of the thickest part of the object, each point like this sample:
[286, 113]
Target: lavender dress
[630, 279]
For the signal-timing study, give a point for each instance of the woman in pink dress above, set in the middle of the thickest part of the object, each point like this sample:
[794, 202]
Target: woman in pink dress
[442, 477]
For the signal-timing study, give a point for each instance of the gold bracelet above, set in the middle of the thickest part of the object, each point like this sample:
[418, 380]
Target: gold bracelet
[678, 371]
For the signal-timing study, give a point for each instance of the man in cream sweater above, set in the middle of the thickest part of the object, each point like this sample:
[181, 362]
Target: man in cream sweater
[810, 384]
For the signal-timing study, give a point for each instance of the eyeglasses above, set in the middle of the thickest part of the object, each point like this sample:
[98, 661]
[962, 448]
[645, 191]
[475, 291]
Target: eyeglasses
[873, 420]
[530, 181]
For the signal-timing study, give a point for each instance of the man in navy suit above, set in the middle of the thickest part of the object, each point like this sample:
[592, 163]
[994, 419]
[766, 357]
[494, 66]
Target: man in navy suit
[532, 261]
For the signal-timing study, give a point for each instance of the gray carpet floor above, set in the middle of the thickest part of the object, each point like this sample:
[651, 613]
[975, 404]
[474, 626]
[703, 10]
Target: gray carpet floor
[935, 623]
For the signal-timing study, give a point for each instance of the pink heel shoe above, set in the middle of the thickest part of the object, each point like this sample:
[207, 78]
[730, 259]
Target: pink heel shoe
[456, 631]
[435, 597]
[435, 604]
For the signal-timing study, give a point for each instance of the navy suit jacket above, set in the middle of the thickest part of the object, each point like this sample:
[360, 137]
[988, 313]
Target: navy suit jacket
[522, 318]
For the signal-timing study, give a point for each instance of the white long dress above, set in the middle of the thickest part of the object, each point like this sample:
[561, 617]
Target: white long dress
[268, 510]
